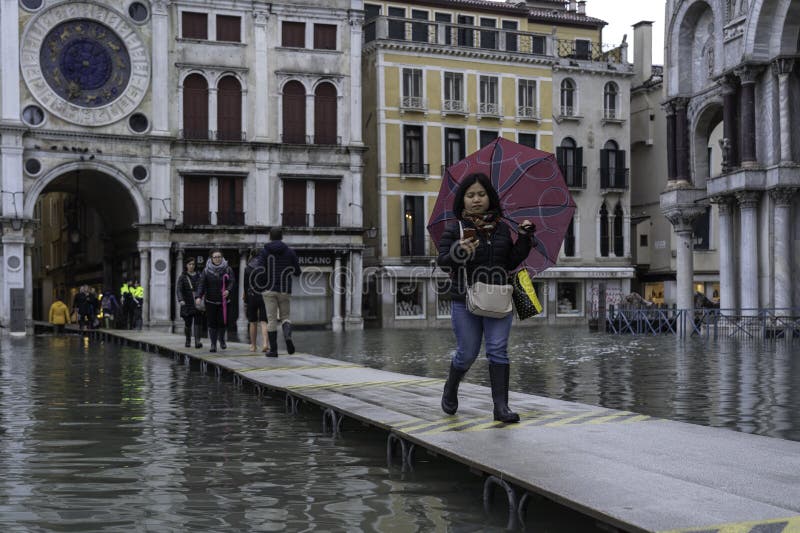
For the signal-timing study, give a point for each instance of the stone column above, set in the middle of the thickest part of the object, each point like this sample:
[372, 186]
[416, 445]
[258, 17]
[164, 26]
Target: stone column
[783, 248]
[9, 63]
[336, 282]
[730, 114]
[682, 140]
[748, 251]
[682, 215]
[13, 275]
[669, 109]
[782, 67]
[161, 290]
[310, 118]
[160, 53]
[212, 113]
[355, 290]
[261, 111]
[727, 267]
[178, 271]
[28, 288]
[356, 20]
[241, 322]
[144, 280]
[748, 131]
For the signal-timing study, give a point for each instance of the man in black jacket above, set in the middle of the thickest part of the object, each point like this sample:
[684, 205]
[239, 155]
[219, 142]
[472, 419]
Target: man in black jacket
[280, 264]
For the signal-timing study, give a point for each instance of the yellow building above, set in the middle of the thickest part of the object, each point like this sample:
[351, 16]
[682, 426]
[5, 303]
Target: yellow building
[441, 79]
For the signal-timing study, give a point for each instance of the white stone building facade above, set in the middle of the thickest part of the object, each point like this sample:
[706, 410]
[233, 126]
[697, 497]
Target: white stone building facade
[163, 127]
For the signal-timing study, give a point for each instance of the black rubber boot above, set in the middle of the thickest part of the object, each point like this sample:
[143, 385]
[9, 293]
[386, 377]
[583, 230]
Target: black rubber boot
[499, 377]
[197, 343]
[273, 344]
[188, 333]
[222, 344]
[287, 336]
[450, 394]
[212, 335]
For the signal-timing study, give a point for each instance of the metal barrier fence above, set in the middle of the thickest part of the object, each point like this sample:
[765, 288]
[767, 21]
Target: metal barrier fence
[743, 324]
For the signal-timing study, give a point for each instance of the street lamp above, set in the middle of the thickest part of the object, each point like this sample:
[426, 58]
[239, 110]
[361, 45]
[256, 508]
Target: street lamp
[169, 222]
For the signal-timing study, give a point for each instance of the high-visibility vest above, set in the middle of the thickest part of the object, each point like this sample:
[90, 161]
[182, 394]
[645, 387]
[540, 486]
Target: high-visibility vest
[124, 289]
[138, 292]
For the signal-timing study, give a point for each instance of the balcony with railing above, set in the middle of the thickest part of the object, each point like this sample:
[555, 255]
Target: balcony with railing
[574, 176]
[230, 218]
[457, 107]
[490, 109]
[413, 103]
[327, 140]
[614, 178]
[460, 36]
[612, 115]
[568, 112]
[296, 138]
[588, 51]
[231, 135]
[327, 220]
[525, 112]
[196, 217]
[195, 135]
[414, 169]
[294, 220]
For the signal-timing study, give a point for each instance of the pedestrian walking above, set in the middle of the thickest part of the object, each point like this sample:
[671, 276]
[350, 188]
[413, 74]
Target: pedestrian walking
[137, 294]
[187, 284]
[215, 285]
[479, 248]
[254, 283]
[82, 307]
[128, 304]
[110, 306]
[59, 314]
[280, 264]
[94, 304]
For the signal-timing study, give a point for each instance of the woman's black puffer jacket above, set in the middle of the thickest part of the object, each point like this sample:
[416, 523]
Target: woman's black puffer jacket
[491, 263]
[210, 286]
[187, 285]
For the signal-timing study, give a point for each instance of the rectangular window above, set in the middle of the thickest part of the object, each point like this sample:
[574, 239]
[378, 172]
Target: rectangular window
[570, 298]
[444, 19]
[397, 26]
[194, 25]
[294, 203]
[293, 34]
[569, 240]
[510, 35]
[412, 88]
[195, 200]
[526, 99]
[488, 37]
[419, 30]
[410, 300]
[454, 146]
[488, 96]
[412, 151]
[324, 36]
[371, 12]
[527, 139]
[230, 210]
[486, 137]
[454, 92]
[443, 303]
[326, 204]
[413, 238]
[539, 44]
[643, 241]
[466, 36]
[229, 28]
[583, 49]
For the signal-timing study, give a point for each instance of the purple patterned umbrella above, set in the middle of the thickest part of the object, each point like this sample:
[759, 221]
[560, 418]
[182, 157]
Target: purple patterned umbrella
[530, 186]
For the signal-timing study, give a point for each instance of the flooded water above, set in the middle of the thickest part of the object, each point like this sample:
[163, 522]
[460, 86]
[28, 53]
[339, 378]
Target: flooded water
[98, 437]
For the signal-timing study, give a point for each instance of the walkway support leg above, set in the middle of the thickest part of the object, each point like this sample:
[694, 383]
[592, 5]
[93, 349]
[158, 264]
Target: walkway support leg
[512, 498]
[335, 422]
[406, 452]
[292, 404]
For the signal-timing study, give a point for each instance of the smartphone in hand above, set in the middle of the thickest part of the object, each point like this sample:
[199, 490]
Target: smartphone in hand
[470, 233]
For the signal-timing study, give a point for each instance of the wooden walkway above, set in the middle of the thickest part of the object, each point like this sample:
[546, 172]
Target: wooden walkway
[627, 470]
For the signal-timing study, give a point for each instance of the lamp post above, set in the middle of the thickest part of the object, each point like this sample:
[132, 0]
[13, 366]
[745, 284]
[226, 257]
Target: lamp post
[169, 222]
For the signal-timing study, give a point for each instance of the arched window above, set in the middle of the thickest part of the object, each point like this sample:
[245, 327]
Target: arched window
[610, 95]
[325, 102]
[604, 245]
[568, 98]
[229, 109]
[570, 160]
[569, 239]
[294, 113]
[195, 107]
[613, 174]
[619, 237]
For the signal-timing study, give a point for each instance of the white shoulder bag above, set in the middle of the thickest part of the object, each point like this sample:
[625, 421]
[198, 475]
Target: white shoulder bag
[484, 299]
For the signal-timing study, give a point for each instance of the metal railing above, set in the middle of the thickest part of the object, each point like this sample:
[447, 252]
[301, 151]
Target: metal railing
[196, 135]
[568, 111]
[710, 323]
[455, 106]
[327, 220]
[196, 218]
[490, 109]
[574, 176]
[230, 218]
[295, 138]
[616, 178]
[294, 219]
[611, 114]
[328, 140]
[415, 169]
[231, 135]
[413, 103]
[528, 113]
[588, 51]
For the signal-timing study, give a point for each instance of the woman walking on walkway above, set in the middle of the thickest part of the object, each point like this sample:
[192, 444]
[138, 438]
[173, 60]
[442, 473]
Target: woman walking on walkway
[215, 285]
[187, 283]
[479, 247]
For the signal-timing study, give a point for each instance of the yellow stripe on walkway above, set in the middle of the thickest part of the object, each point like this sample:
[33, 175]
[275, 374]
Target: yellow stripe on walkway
[305, 367]
[778, 525]
[390, 383]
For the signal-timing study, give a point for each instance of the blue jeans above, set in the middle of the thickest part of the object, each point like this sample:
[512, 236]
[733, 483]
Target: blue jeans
[470, 329]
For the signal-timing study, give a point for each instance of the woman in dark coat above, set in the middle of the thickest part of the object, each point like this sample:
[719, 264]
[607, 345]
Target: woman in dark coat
[479, 247]
[215, 286]
[187, 284]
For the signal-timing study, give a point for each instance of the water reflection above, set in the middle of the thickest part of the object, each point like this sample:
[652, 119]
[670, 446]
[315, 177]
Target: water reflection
[746, 386]
[99, 437]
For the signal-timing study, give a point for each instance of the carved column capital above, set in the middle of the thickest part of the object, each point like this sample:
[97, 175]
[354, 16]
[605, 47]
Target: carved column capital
[159, 7]
[260, 17]
[668, 107]
[782, 196]
[682, 219]
[728, 84]
[680, 103]
[748, 199]
[724, 203]
[748, 74]
[782, 66]
[355, 19]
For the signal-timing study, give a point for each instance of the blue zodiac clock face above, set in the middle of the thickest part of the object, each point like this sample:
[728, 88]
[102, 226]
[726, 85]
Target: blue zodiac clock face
[85, 63]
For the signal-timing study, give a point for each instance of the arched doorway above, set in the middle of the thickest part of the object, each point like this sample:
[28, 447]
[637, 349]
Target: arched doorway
[86, 233]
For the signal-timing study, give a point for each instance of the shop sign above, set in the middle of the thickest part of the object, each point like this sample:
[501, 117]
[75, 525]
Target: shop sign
[319, 259]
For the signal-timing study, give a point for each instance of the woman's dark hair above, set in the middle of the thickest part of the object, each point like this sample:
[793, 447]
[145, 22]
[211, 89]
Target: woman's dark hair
[213, 251]
[469, 181]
